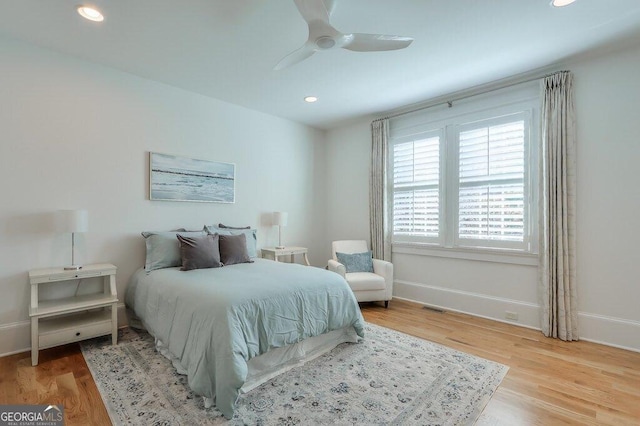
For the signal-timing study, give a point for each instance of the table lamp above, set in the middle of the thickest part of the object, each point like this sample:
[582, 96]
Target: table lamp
[74, 221]
[280, 219]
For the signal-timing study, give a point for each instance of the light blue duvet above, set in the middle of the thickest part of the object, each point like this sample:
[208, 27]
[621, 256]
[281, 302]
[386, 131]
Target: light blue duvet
[214, 320]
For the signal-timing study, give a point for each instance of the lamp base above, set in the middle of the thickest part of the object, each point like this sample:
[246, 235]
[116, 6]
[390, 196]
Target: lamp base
[73, 268]
[280, 247]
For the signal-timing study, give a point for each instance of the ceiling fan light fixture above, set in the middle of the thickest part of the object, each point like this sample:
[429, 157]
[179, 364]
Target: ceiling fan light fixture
[561, 3]
[90, 13]
[310, 99]
[325, 42]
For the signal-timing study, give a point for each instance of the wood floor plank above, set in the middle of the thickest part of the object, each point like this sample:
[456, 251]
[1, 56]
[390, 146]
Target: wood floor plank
[67, 385]
[96, 413]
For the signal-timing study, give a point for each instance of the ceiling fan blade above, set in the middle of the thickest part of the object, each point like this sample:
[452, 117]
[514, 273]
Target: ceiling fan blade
[296, 56]
[376, 42]
[330, 5]
[313, 10]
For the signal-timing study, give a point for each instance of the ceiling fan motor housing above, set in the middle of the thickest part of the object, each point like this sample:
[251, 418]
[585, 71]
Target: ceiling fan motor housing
[325, 42]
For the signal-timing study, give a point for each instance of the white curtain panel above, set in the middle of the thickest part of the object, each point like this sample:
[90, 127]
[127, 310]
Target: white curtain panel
[378, 203]
[557, 228]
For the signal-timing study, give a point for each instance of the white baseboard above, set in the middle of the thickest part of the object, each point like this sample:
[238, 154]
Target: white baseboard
[605, 330]
[617, 332]
[480, 305]
[16, 337]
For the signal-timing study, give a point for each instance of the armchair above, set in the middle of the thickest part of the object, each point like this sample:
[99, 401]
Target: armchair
[366, 286]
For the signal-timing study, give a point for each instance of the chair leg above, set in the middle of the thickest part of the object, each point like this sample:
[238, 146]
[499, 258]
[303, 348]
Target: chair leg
[386, 304]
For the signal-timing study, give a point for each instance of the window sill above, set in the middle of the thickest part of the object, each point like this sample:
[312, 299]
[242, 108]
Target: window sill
[481, 255]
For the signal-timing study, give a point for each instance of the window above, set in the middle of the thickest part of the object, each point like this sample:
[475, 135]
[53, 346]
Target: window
[416, 178]
[465, 182]
[491, 185]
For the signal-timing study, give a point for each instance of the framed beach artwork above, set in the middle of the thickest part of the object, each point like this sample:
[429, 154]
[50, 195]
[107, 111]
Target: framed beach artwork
[173, 178]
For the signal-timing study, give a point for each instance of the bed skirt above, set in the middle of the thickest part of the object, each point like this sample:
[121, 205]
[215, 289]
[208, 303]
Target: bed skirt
[274, 362]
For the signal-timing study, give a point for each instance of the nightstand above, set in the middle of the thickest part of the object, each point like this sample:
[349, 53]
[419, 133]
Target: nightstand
[60, 321]
[274, 253]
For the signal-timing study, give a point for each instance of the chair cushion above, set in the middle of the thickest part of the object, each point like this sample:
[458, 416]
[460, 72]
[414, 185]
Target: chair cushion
[360, 281]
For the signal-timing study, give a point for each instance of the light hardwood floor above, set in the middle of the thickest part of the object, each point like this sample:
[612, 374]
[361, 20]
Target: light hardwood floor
[549, 382]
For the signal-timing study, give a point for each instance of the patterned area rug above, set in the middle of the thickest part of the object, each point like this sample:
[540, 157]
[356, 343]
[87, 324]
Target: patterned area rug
[387, 378]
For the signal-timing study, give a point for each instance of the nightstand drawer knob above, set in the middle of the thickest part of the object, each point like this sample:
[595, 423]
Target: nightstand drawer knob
[78, 333]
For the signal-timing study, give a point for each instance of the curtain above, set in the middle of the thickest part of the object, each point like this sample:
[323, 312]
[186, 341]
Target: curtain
[378, 204]
[557, 270]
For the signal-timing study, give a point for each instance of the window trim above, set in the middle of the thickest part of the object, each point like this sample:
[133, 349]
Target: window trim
[449, 244]
[467, 253]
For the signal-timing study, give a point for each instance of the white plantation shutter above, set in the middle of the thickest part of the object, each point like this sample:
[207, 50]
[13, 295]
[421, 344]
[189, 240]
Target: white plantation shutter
[492, 212]
[416, 212]
[416, 178]
[491, 192]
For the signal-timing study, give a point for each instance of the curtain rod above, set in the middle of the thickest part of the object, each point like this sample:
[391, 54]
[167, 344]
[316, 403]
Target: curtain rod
[468, 93]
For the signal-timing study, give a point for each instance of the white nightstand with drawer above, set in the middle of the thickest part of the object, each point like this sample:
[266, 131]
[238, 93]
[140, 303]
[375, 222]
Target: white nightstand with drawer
[59, 321]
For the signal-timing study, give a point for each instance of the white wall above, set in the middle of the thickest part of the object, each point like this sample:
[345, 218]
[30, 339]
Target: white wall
[608, 199]
[347, 181]
[76, 134]
[608, 100]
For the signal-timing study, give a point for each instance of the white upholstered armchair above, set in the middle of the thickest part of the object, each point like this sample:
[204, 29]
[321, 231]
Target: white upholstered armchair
[366, 286]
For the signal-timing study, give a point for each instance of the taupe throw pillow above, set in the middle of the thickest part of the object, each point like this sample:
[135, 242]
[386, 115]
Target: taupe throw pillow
[199, 252]
[233, 249]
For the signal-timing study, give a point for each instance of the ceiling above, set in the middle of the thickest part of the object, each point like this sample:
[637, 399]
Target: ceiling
[226, 49]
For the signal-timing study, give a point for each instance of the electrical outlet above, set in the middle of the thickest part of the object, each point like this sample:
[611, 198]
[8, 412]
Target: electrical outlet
[513, 316]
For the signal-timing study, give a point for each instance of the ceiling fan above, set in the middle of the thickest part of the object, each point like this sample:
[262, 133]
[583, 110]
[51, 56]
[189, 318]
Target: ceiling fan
[323, 36]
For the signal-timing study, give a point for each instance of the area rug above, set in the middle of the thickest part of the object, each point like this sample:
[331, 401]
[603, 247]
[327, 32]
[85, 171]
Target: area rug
[386, 378]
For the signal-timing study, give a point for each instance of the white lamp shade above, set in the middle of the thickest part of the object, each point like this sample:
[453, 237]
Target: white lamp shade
[280, 218]
[73, 221]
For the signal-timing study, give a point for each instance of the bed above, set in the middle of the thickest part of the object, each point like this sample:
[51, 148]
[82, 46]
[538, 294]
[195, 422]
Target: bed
[230, 329]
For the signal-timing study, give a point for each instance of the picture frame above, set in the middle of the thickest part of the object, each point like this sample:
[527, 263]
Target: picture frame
[176, 178]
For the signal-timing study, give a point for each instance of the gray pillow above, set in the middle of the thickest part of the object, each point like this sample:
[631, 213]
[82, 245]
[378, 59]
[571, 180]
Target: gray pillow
[356, 262]
[222, 226]
[199, 252]
[233, 249]
[250, 234]
[163, 250]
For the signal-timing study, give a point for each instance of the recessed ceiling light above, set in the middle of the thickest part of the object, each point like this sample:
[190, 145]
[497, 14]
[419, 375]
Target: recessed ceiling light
[90, 13]
[561, 3]
[310, 99]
